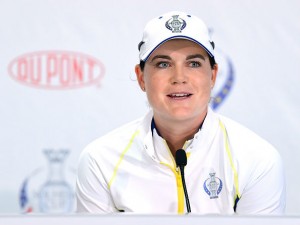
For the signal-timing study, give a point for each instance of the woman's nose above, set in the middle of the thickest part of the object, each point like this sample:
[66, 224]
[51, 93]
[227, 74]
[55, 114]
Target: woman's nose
[178, 76]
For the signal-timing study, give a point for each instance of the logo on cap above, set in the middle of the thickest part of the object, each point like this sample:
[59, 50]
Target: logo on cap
[175, 24]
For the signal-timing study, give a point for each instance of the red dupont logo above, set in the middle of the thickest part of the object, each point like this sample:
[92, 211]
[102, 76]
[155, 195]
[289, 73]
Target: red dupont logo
[56, 69]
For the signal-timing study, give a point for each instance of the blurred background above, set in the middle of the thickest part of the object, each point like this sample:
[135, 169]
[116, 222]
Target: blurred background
[67, 77]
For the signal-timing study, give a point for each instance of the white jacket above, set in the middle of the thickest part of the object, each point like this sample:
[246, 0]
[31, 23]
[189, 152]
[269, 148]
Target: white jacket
[132, 169]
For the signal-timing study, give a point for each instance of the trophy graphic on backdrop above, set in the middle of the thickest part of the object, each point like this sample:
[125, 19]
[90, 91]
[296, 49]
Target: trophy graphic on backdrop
[49, 190]
[56, 193]
[225, 79]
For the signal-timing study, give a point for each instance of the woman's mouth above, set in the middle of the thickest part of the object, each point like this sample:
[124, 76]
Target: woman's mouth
[179, 95]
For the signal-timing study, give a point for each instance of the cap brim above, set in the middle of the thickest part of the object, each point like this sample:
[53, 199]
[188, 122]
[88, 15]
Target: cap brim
[152, 49]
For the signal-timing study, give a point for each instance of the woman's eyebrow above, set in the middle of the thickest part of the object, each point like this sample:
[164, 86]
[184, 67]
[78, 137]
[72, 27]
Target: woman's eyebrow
[195, 56]
[161, 57]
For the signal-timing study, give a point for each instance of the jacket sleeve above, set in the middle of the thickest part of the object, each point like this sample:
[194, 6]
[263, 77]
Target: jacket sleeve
[92, 192]
[264, 192]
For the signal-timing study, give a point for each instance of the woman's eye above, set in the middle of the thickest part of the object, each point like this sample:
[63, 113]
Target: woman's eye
[162, 65]
[195, 64]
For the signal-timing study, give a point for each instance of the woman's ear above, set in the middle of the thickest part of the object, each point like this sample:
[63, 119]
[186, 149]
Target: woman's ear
[214, 75]
[140, 77]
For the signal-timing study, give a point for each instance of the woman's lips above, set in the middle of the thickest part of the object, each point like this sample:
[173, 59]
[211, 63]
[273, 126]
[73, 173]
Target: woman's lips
[179, 95]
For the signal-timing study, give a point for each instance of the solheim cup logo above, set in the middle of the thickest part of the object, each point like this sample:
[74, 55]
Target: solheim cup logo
[176, 24]
[225, 79]
[213, 186]
[48, 191]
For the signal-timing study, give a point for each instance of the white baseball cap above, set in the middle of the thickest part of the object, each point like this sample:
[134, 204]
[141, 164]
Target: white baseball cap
[174, 25]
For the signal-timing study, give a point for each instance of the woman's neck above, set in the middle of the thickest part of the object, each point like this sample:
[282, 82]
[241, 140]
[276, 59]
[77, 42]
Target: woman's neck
[177, 133]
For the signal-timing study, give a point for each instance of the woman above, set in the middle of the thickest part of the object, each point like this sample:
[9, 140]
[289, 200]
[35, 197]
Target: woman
[132, 169]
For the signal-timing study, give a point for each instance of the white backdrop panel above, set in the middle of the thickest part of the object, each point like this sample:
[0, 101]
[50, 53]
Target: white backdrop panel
[260, 39]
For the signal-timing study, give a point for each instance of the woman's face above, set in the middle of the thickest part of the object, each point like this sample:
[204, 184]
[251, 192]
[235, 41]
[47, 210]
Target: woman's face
[178, 79]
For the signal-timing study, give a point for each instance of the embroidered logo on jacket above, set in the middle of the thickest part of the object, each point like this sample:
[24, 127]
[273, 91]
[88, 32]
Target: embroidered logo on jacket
[213, 186]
